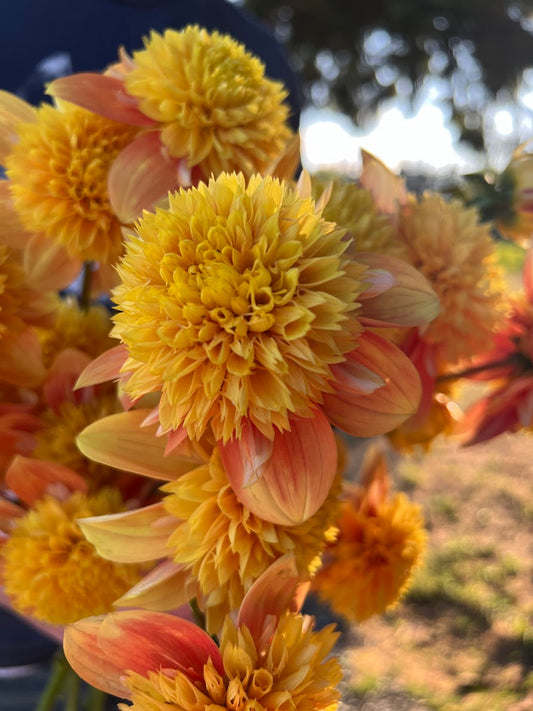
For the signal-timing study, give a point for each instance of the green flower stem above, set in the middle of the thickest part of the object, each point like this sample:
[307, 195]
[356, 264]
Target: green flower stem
[96, 700]
[73, 692]
[198, 615]
[59, 675]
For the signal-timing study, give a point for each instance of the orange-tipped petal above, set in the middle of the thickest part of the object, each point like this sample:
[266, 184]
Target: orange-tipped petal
[85, 656]
[141, 176]
[367, 415]
[12, 111]
[273, 593]
[106, 367]
[143, 641]
[121, 441]
[408, 301]
[104, 95]
[166, 587]
[388, 190]
[293, 482]
[130, 536]
[48, 264]
[31, 479]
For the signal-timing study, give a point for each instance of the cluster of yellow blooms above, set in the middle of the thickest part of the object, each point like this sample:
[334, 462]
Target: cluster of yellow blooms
[187, 447]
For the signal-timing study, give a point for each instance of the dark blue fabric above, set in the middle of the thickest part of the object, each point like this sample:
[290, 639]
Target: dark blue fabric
[20, 643]
[42, 39]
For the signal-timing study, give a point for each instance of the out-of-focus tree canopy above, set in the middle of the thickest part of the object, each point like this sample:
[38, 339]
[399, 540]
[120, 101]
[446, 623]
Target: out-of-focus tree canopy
[353, 54]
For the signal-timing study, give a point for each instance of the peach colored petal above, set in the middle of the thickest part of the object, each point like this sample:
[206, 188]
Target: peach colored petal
[32, 479]
[292, 483]
[142, 175]
[85, 656]
[48, 264]
[104, 95]
[408, 301]
[286, 165]
[166, 587]
[366, 415]
[130, 536]
[527, 275]
[106, 367]
[388, 189]
[121, 441]
[8, 512]
[143, 641]
[12, 111]
[272, 594]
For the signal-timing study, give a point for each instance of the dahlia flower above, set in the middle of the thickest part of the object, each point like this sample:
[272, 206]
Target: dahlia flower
[270, 658]
[508, 406]
[238, 304]
[214, 534]
[202, 97]
[379, 544]
[49, 571]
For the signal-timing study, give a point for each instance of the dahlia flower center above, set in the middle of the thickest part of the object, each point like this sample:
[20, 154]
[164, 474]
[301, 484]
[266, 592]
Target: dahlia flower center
[230, 287]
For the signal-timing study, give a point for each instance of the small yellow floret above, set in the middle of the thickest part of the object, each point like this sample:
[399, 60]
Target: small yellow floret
[58, 173]
[228, 547]
[51, 572]
[216, 107]
[294, 673]
[234, 303]
[372, 561]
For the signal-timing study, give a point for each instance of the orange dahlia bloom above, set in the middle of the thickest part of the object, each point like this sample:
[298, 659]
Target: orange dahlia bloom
[269, 659]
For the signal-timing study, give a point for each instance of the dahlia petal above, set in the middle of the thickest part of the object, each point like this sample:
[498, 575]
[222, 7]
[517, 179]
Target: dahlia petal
[131, 536]
[32, 479]
[286, 165]
[85, 656]
[106, 367]
[166, 587]
[104, 95]
[13, 110]
[388, 190]
[141, 175]
[142, 641]
[409, 300]
[58, 386]
[8, 512]
[527, 275]
[48, 264]
[293, 482]
[366, 415]
[273, 593]
[121, 441]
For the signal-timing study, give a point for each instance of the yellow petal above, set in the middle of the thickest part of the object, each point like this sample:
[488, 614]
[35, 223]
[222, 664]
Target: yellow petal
[166, 587]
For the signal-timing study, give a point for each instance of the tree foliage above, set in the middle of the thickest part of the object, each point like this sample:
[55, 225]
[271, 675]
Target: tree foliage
[353, 54]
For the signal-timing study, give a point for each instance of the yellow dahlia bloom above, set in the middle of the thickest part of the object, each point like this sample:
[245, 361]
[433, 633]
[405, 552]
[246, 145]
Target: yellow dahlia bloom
[58, 171]
[353, 207]
[268, 660]
[370, 565]
[234, 303]
[51, 572]
[211, 99]
[227, 547]
[446, 242]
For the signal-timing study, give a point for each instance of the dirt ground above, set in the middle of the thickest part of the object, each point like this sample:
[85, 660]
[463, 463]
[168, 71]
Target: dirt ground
[462, 639]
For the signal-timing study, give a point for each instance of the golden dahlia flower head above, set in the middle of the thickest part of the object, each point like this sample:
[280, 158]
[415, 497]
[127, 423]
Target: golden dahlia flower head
[352, 207]
[380, 543]
[205, 97]
[270, 658]
[58, 172]
[446, 243]
[50, 572]
[240, 302]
